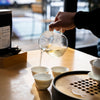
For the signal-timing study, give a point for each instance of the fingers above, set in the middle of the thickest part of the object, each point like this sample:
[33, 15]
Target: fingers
[58, 27]
[70, 27]
[57, 16]
[55, 25]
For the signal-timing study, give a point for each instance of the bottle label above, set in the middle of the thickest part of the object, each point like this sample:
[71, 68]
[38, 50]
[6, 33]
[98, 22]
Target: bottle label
[4, 37]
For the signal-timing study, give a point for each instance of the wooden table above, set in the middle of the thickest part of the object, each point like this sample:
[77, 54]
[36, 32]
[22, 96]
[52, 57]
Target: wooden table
[17, 83]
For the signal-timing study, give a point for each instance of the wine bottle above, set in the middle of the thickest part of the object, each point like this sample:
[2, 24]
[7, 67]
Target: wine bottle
[5, 30]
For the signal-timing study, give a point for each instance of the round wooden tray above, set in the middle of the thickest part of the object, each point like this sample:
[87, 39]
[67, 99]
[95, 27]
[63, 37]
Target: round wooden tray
[74, 85]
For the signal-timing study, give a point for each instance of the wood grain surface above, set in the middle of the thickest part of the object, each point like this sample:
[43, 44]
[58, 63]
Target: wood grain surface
[17, 82]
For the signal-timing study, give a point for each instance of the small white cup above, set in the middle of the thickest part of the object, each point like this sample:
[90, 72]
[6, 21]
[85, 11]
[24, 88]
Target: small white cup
[42, 81]
[57, 70]
[96, 68]
[39, 69]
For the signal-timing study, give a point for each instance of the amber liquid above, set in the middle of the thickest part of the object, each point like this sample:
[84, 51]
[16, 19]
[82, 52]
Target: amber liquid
[55, 50]
[41, 54]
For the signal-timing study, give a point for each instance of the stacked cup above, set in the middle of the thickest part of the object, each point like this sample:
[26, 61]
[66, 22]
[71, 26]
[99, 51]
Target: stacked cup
[43, 78]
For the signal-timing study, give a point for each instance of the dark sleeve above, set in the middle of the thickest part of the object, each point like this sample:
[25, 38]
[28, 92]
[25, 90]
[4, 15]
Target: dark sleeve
[88, 20]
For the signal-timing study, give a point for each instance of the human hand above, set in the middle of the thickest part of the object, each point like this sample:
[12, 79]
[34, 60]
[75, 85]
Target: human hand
[63, 21]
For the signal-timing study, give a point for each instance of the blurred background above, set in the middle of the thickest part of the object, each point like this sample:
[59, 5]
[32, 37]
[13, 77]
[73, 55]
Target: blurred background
[30, 18]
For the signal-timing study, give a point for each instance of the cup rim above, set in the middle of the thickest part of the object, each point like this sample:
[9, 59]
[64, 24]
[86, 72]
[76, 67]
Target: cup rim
[56, 67]
[48, 75]
[35, 67]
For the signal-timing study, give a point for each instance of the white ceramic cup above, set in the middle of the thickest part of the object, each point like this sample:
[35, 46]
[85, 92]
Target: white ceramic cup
[96, 68]
[39, 69]
[42, 81]
[57, 70]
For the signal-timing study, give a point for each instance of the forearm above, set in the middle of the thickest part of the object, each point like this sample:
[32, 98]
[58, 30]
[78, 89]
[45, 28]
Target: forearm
[88, 20]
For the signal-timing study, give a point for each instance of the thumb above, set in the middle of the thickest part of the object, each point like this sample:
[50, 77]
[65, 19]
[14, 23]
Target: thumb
[54, 25]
